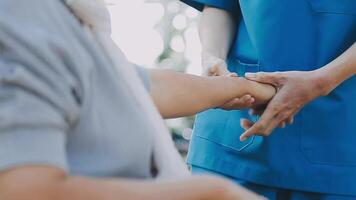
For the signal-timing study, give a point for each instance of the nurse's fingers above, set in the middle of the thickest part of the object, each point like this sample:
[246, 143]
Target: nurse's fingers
[287, 116]
[279, 120]
[269, 120]
[259, 128]
[290, 119]
[282, 124]
[273, 78]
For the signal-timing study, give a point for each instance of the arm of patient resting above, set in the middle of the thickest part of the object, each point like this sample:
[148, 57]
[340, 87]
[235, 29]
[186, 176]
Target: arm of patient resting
[50, 183]
[177, 94]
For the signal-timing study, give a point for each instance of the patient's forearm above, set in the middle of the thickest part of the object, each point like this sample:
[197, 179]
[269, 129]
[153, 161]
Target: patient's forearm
[48, 183]
[177, 94]
[91, 189]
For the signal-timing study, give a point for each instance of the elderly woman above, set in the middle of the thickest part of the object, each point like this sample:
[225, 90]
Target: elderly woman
[76, 121]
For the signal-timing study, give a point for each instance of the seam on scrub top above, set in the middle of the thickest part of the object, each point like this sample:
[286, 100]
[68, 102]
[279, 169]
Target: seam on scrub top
[335, 13]
[312, 7]
[247, 64]
[223, 145]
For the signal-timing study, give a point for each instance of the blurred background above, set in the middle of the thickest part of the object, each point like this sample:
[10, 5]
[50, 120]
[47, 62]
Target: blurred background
[160, 34]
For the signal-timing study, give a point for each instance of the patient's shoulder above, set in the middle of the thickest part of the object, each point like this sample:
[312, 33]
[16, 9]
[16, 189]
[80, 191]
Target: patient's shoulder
[35, 18]
[44, 29]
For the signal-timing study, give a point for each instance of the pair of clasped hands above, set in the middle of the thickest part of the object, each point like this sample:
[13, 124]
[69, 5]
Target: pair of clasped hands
[294, 89]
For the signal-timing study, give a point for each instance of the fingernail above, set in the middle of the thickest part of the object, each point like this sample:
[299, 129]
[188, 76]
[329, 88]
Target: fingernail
[250, 75]
[242, 139]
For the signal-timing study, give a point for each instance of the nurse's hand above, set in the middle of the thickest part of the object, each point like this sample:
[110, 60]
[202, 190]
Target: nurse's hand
[295, 89]
[214, 66]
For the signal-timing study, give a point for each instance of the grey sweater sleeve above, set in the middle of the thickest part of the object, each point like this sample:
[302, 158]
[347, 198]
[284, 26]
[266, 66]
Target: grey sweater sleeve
[37, 107]
[144, 75]
[33, 125]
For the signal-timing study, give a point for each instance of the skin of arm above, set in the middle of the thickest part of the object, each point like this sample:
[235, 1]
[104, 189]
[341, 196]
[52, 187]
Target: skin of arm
[217, 30]
[338, 70]
[50, 183]
[297, 88]
[177, 94]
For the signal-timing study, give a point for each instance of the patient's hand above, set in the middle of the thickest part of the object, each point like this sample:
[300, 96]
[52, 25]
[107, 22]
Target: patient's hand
[238, 103]
[214, 66]
[253, 95]
[262, 93]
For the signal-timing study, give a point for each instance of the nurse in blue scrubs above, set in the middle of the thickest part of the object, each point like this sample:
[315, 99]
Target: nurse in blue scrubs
[307, 49]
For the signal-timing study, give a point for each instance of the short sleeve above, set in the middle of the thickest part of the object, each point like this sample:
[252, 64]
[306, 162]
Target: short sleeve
[39, 86]
[144, 75]
[229, 5]
[34, 116]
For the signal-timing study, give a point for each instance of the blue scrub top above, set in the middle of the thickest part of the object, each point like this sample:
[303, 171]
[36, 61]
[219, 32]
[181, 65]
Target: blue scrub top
[318, 152]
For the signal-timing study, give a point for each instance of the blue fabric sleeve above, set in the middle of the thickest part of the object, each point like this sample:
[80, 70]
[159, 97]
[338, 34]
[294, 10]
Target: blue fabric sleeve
[229, 5]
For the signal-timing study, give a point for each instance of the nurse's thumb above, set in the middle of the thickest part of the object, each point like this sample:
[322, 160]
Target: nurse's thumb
[262, 77]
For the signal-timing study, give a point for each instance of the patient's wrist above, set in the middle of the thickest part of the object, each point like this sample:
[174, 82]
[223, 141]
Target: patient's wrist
[238, 85]
[262, 93]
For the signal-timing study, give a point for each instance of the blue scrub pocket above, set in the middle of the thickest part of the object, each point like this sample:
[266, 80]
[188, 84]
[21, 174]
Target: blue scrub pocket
[328, 130]
[334, 6]
[240, 67]
[223, 127]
